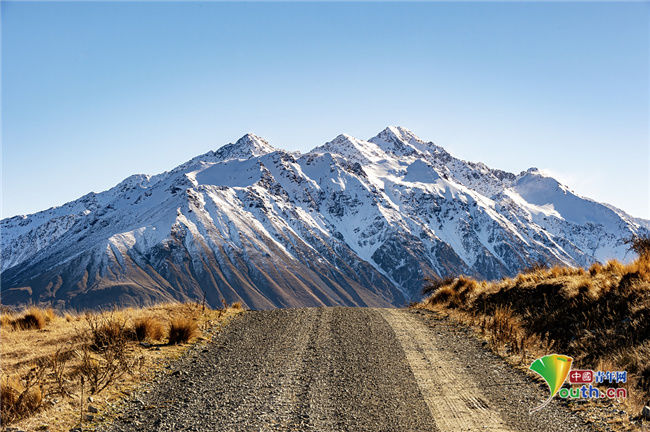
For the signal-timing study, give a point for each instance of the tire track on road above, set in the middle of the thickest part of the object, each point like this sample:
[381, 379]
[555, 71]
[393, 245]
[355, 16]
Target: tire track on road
[456, 402]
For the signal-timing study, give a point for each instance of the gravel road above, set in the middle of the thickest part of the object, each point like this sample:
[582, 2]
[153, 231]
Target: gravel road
[342, 369]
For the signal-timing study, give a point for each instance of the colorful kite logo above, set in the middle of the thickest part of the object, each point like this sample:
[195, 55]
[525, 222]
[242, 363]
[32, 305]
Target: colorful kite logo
[554, 368]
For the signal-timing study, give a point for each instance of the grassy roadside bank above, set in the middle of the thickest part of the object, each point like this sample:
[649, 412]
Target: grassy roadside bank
[599, 316]
[59, 370]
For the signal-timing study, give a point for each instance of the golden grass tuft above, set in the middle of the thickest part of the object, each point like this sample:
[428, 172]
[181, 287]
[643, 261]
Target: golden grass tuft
[595, 268]
[453, 292]
[33, 318]
[18, 401]
[614, 266]
[182, 330]
[6, 321]
[108, 330]
[148, 328]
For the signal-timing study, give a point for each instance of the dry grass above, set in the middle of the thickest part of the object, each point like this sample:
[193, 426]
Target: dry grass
[108, 329]
[45, 369]
[148, 329]
[19, 397]
[599, 316]
[30, 319]
[182, 330]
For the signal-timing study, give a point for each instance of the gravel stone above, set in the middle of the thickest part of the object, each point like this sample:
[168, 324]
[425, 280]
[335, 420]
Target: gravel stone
[324, 369]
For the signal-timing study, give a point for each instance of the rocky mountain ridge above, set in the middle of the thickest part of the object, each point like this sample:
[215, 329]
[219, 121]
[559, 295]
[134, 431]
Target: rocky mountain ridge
[353, 222]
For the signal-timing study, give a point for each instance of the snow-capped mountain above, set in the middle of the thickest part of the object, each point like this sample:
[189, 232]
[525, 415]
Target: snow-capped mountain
[352, 222]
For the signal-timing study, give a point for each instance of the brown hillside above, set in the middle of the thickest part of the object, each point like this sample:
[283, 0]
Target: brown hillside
[599, 316]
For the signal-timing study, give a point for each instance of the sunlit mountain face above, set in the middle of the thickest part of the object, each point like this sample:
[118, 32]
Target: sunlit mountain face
[352, 222]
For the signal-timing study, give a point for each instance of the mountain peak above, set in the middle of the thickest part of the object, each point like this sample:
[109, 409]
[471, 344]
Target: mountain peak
[246, 147]
[351, 148]
[343, 138]
[398, 141]
[257, 145]
[342, 144]
[397, 133]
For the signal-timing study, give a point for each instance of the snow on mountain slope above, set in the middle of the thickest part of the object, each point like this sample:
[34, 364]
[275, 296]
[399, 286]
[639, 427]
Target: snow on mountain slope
[352, 222]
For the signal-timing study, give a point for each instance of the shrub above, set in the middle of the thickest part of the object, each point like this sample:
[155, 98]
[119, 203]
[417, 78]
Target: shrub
[503, 327]
[640, 245]
[57, 364]
[433, 285]
[49, 314]
[442, 295]
[614, 266]
[236, 305]
[6, 321]
[20, 398]
[585, 286]
[536, 267]
[34, 318]
[100, 370]
[181, 330]
[148, 328]
[595, 268]
[557, 271]
[108, 331]
[105, 359]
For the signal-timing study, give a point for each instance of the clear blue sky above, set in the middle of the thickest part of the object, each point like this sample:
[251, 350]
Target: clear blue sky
[94, 92]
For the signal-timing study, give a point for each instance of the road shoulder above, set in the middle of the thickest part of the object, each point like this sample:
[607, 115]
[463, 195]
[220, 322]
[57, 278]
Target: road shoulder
[507, 391]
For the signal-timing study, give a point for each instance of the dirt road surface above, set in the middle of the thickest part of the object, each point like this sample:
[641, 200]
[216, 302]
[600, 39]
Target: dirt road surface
[343, 369]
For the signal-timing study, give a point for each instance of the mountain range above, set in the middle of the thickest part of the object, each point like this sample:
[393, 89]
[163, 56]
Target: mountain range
[352, 222]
